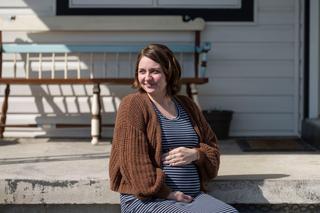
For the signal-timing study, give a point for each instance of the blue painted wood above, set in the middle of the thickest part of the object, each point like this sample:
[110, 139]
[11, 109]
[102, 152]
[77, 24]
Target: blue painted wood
[96, 48]
[204, 47]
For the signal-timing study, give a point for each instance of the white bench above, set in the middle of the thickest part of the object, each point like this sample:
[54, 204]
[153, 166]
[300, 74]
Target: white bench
[49, 52]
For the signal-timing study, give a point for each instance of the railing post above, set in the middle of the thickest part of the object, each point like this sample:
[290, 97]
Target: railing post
[4, 110]
[204, 49]
[96, 115]
[5, 101]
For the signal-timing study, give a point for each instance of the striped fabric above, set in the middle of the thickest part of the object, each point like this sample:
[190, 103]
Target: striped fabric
[202, 203]
[177, 132]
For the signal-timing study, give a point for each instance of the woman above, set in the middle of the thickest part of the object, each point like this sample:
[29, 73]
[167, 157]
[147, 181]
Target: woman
[163, 150]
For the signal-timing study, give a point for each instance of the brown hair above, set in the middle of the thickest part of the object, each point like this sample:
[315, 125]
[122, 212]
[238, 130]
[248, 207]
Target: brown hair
[169, 65]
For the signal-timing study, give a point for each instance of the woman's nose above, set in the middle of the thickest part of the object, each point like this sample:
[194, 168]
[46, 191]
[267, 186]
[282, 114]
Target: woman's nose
[148, 76]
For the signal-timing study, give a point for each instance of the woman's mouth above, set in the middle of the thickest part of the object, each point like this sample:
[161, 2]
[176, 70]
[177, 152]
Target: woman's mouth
[149, 85]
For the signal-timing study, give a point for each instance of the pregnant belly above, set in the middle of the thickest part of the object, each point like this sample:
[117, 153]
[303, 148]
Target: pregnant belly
[183, 178]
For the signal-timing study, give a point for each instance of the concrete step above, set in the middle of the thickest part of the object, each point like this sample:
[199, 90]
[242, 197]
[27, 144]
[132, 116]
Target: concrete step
[108, 208]
[69, 172]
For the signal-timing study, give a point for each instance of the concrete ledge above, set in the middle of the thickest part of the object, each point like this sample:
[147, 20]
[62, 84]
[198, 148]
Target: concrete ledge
[97, 192]
[311, 131]
[25, 191]
[45, 171]
[267, 191]
[105, 208]
[61, 208]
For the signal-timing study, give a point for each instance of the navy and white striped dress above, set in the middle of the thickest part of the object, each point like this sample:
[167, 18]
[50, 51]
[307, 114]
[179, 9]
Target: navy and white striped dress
[177, 132]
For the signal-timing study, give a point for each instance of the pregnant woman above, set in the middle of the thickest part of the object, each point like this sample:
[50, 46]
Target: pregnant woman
[163, 150]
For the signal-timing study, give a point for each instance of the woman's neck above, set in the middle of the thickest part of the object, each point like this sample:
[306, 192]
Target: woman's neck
[165, 105]
[164, 101]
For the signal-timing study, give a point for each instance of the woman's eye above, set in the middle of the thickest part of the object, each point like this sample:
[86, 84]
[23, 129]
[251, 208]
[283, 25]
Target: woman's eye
[141, 71]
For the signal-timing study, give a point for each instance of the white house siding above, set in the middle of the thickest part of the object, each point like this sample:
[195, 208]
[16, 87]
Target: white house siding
[19, 7]
[253, 69]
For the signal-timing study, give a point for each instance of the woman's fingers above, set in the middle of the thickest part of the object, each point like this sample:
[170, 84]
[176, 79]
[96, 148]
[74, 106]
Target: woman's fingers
[187, 198]
[167, 159]
[164, 156]
[179, 156]
[183, 197]
[180, 197]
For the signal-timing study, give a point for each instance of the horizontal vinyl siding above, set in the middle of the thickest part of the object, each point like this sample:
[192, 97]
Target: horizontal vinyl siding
[250, 33]
[58, 105]
[53, 90]
[248, 86]
[276, 4]
[252, 51]
[27, 7]
[248, 69]
[258, 124]
[251, 70]
[250, 104]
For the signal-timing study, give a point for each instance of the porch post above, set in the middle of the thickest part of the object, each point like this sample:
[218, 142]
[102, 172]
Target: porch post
[314, 61]
[96, 115]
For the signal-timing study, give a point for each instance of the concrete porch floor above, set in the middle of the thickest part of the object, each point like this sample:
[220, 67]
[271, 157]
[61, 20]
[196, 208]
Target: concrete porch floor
[72, 171]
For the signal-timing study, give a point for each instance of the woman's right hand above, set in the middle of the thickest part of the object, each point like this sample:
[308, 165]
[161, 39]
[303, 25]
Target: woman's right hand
[180, 197]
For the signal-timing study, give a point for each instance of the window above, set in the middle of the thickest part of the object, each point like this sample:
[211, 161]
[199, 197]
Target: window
[210, 10]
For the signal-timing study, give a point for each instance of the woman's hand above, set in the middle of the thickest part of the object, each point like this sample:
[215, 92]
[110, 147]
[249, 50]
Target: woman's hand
[180, 156]
[180, 197]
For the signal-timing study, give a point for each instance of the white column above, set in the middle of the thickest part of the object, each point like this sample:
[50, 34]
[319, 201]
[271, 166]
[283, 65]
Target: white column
[314, 79]
[96, 115]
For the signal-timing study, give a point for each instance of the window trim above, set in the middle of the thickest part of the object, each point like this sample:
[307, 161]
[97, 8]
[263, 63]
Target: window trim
[243, 14]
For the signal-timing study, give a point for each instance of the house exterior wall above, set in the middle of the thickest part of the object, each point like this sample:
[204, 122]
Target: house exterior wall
[314, 53]
[254, 69]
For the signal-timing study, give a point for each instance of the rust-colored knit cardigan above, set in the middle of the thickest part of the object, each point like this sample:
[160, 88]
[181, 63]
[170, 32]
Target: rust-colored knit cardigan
[135, 162]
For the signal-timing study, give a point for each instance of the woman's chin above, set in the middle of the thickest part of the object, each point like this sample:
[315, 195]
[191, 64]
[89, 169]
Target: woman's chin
[149, 90]
[152, 93]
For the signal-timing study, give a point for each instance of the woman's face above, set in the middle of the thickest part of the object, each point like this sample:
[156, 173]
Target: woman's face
[151, 77]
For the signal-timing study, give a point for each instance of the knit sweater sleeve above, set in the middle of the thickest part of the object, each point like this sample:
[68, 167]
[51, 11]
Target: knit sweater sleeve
[209, 154]
[136, 166]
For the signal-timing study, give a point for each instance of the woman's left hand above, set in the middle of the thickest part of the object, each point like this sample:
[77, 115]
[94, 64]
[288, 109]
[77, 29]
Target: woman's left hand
[180, 156]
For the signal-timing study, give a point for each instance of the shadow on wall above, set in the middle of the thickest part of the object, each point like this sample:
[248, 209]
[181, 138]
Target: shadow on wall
[57, 107]
[74, 122]
[56, 114]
